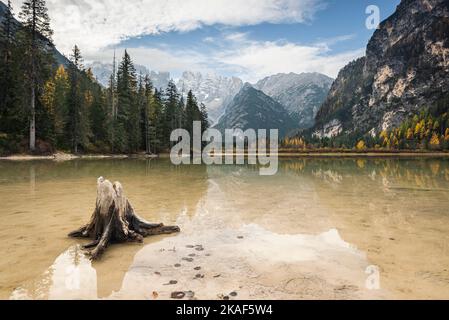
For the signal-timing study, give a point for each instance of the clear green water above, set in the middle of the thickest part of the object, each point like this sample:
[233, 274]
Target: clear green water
[308, 232]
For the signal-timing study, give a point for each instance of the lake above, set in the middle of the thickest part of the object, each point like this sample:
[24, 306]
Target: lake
[322, 228]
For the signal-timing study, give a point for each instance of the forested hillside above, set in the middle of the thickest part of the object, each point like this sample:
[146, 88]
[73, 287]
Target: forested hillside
[49, 103]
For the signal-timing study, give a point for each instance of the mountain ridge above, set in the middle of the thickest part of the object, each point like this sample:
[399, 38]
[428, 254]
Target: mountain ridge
[405, 69]
[301, 94]
[253, 109]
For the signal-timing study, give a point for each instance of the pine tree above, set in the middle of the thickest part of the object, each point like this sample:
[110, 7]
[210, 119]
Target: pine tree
[11, 115]
[98, 118]
[204, 117]
[112, 100]
[157, 118]
[7, 35]
[171, 109]
[37, 25]
[147, 102]
[77, 127]
[128, 113]
[192, 112]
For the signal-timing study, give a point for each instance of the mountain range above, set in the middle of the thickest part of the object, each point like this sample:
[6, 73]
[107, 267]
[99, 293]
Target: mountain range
[301, 94]
[102, 72]
[214, 91]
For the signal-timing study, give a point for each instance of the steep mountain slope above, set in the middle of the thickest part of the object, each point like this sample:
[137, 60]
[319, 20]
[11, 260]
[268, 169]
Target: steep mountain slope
[216, 92]
[253, 109]
[406, 68]
[301, 94]
[59, 57]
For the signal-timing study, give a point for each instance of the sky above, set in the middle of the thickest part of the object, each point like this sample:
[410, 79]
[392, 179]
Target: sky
[250, 39]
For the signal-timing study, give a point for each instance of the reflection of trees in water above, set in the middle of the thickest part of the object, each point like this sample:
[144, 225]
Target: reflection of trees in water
[395, 210]
[184, 186]
[63, 196]
[419, 173]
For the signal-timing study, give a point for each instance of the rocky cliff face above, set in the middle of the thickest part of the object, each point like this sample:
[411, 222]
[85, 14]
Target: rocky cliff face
[406, 68]
[301, 94]
[103, 71]
[216, 92]
[253, 109]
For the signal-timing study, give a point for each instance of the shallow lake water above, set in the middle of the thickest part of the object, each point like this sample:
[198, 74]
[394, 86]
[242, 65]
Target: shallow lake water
[322, 228]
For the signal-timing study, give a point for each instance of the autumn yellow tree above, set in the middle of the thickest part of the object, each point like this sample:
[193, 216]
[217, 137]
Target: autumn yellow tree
[420, 126]
[435, 141]
[361, 145]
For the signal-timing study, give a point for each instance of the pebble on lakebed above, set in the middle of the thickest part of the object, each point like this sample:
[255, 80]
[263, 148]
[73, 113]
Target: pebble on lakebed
[188, 259]
[178, 295]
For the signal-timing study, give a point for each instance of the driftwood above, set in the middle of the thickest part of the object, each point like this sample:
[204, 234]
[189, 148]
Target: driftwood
[114, 221]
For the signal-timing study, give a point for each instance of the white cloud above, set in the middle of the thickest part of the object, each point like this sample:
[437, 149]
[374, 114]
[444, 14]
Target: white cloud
[249, 60]
[96, 24]
[256, 60]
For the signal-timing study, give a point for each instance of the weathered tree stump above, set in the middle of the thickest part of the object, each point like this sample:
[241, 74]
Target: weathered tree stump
[114, 221]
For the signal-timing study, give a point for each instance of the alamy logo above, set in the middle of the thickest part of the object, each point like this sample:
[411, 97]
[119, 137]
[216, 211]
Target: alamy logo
[257, 147]
[373, 20]
[73, 276]
[373, 280]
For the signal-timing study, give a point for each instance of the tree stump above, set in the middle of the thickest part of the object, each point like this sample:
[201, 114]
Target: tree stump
[115, 221]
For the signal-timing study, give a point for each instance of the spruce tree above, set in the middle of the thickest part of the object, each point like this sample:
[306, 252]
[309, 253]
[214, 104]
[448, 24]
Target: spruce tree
[112, 102]
[10, 113]
[192, 112]
[171, 107]
[204, 117]
[146, 112]
[127, 131]
[77, 127]
[157, 120]
[36, 25]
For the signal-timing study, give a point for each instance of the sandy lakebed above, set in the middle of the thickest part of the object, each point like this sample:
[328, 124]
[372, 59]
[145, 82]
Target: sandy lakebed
[316, 230]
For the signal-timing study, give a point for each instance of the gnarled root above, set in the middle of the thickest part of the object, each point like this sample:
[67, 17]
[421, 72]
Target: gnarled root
[115, 221]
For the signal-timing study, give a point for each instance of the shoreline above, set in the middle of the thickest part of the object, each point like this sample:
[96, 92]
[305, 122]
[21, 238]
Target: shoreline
[69, 157]
[301, 154]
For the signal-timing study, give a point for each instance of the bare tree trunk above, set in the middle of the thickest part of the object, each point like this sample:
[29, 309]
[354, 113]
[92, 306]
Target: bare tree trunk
[114, 220]
[33, 119]
[147, 131]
